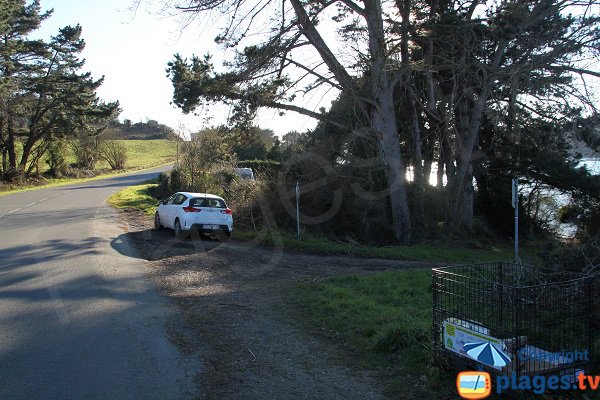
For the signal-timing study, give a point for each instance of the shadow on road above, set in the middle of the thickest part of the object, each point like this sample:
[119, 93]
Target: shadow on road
[151, 244]
[54, 249]
[68, 328]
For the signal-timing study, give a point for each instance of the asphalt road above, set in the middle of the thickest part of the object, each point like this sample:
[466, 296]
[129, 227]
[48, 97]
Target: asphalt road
[79, 319]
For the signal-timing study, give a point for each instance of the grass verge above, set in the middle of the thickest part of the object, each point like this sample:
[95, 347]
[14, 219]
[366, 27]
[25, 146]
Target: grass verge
[138, 197]
[383, 321]
[441, 253]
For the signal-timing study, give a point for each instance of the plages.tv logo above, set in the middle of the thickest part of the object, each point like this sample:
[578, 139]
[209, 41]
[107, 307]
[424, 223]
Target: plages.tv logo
[480, 347]
[473, 385]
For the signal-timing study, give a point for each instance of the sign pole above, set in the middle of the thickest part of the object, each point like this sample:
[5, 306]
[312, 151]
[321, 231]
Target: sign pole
[515, 204]
[298, 209]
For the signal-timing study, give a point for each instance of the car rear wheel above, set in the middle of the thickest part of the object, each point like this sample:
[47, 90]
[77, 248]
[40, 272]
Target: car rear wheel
[157, 225]
[177, 228]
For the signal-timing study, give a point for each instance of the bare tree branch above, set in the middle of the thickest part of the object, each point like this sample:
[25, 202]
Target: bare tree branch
[313, 72]
[574, 69]
[314, 37]
[353, 6]
[303, 111]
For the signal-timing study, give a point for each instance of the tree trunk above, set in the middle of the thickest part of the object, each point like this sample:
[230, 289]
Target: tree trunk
[26, 153]
[418, 216]
[379, 108]
[382, 116]
[427, 167]
[37, 154]
[537, 206]
[448, 159]
[4, 162]
[419, 179]
[461, 202]
[434, 125]
[3, 145]
[384, 123]
[428, 154]
[461, 195]
[10, 144]
[443, 157]
[440, 172]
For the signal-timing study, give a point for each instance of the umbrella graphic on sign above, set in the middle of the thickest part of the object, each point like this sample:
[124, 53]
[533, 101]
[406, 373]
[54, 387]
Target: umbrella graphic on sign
[487, 353]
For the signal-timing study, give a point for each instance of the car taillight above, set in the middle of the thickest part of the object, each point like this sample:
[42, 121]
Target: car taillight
[191, 209]
[227, 211]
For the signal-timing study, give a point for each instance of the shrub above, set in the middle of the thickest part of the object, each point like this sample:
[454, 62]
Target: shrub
[245, 198]
[170, 182]
[178, 181]
[164, 185]
[56, 160]
[115, 153]
[86, 150]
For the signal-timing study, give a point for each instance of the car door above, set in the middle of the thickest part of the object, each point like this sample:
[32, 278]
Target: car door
[165, 211]
[176, 209]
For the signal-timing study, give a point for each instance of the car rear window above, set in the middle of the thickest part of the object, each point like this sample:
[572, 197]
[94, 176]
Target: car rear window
[207, 202]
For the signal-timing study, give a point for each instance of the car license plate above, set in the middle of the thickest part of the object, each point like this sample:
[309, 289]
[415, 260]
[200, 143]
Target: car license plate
[210, 226]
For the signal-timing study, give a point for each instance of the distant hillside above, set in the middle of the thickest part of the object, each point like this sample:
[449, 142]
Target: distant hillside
[138, 131]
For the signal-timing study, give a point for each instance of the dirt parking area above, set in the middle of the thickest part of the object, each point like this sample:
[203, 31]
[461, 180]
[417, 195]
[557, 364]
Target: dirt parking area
[238, 321]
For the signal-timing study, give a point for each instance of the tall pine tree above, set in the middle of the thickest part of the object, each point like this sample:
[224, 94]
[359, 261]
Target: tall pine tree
[43, 94]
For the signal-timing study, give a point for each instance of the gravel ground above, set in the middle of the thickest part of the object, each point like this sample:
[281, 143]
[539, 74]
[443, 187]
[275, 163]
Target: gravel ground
[250, 343]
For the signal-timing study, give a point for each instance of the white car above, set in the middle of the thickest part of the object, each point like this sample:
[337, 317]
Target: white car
[202, 212]
[245, 173]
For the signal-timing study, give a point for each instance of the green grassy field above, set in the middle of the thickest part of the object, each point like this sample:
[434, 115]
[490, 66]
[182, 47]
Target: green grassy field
[141, 154]
[147, 153]
[384, 313]
[383, 322]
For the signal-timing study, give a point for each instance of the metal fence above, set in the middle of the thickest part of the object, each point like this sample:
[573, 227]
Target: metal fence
[541, 319]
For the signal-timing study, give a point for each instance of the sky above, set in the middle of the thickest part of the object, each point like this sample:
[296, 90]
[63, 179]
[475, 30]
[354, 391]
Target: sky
[131, 50]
